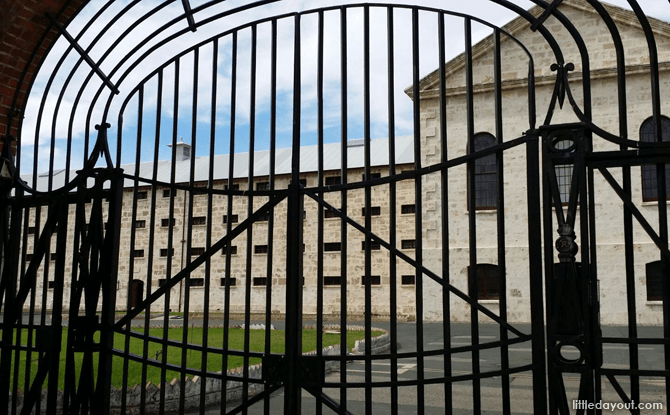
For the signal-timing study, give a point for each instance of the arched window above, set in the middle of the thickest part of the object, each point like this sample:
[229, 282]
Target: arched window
[649, 182]
[486, 174]
[488, 282]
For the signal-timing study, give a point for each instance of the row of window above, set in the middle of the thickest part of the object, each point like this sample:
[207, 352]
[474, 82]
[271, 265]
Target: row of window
[329, 181]
[262, 281]
[263, 249]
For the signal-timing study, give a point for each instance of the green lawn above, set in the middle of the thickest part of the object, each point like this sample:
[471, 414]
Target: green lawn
[193, 358]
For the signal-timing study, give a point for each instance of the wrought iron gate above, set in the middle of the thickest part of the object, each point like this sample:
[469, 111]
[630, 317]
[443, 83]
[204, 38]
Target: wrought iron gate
[462, 212]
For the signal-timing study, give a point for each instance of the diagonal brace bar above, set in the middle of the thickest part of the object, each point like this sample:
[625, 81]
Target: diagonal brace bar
[640, 218]
[189, 15]
[413, 263]
[83, 54]
[198, 261]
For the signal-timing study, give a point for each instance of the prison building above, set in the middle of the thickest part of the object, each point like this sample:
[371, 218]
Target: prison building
[486, 101]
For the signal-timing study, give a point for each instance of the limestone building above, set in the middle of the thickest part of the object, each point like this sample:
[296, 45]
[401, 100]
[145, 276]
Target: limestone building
[184, 222]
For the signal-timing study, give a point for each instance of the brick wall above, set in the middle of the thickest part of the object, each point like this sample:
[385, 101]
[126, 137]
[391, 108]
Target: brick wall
[25, 30]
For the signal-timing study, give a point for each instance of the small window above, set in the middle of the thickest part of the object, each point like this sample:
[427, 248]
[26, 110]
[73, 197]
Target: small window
[260, 281]
[236, 186]
[488, 280]
[164, 252]
[263, 186]
[304, 215]
[196, 282]
[140, 224]
[374, 211]
[31, 230]
[654, 271]
[233, 218]
[372, 176]
[142, 195]
[167, 222]
[374, 246]
[332, 246]
[333, 180]
[407, 209]
[166, 192]
[199, 220]
[264, 218]
[260, 249]
[197, 251]
[303, 182]
[51, 285]
[408, 280]
[233, 250]
[408, 244]
[330, 214]
[138, 253]
[29, 257]
[649, 172]
[230, 282]
[374, 280]
[161, 282]
[332, 280]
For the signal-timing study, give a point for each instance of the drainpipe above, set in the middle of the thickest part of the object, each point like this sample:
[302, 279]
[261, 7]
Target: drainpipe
[183, 242]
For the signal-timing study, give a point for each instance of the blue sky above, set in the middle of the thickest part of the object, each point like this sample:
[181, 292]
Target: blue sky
[57, 133]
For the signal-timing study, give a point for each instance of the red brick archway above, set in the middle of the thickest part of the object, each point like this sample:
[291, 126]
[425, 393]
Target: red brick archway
[26, 35]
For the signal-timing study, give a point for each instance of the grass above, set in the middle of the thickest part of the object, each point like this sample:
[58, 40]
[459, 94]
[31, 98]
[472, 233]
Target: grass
[175, 354]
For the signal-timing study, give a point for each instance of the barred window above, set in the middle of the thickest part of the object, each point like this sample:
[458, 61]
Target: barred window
[486, 176]
[260, 249]
[408, 244]
[487, 280]
[164, 252]
[142, 195]
[329, 214]
[374, 246]
[260, 281]
[199, 220]
[166, 192]
[230, 282]
[139, 224]
[263, 186]
[167, 222]
[233, 250]
[332, 246]
[138, 253]
[372, 176]
[406, 209]
[236, 186]
[374, 280]
[233, 218]
[332, 280]
[408, 280]
[197, 251]
[374, 211]
[333, 180]
[649, 173]
[196, 282]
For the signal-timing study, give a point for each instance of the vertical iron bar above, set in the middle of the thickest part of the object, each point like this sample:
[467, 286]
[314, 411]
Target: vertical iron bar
[189, 234]
[152, 234]
[229, 225]
[131, 247]
[500, 216]
[170, 247]
[250, 211]
[418, 252]
[368, 204]
[392, 211]
[472, 217]
[535, 270]
[273, 137]
[343, 208]
[319, 243]
[210, 216]
[292, 389]
[444, 176]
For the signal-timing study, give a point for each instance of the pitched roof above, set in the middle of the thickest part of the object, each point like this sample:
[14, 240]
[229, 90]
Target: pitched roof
[619, 15]
[379, 154]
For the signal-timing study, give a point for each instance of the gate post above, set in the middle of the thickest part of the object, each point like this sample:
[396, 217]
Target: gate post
[535, 268]
[292, 390]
